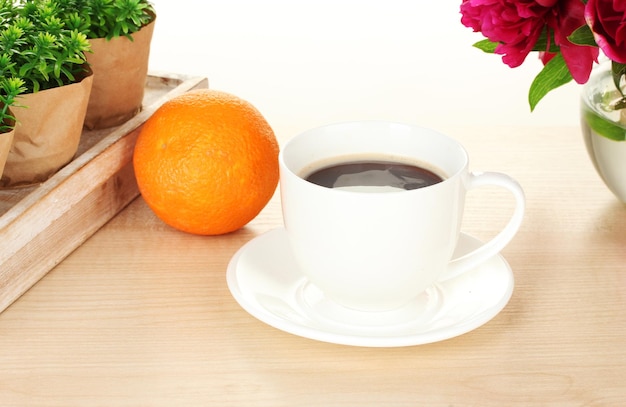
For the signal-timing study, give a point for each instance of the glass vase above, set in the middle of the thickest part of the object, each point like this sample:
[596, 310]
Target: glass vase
[604, 129]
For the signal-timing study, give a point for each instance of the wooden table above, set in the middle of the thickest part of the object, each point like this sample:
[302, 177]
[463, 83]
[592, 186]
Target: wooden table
[141, 315]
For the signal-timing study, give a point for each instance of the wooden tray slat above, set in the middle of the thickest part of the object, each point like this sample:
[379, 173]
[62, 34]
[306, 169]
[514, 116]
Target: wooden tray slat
[40, 225]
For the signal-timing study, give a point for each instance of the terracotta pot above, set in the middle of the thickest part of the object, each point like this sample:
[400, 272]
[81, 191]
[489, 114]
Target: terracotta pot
[47, 132]
[120, 69]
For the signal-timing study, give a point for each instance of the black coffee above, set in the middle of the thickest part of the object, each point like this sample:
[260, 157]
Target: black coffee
[367, 174]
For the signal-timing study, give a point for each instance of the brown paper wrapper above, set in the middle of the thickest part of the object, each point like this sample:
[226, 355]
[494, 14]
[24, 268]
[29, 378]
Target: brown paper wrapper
[6, 140]
[120, 69]
[47, 132]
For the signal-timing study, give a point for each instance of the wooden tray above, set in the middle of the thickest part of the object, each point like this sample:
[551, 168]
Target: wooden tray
[40, 225]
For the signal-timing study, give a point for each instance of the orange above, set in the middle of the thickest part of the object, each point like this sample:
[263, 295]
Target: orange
[206, 162]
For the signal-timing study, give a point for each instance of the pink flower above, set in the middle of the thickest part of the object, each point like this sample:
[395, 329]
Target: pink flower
[514, 24]
[567, 17]
[547, 3]
[607, 19]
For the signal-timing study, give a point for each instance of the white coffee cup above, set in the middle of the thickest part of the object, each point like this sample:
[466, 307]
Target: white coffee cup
[376, 251]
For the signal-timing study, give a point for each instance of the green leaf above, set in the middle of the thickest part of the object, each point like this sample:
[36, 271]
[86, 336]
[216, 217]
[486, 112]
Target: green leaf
[582, 36]
[487, 46]
[553, 75]
[542, 42]
[57, 69]
[604, 127]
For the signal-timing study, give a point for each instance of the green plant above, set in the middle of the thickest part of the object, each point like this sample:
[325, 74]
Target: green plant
[10, 89]
[110, 18]
[39, 47]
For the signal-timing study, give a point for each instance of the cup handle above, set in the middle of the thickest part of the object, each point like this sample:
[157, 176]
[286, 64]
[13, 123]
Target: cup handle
[470, 260]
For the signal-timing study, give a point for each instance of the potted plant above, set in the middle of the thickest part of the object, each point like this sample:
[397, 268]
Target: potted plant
[48, 54]
[120, 33]
[10, 88]
[568, 36]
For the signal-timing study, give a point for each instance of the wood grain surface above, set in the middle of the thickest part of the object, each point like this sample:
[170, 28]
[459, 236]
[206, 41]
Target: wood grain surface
[140, 314]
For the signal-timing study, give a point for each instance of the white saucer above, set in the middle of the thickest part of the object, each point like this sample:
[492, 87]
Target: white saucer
[264, 279]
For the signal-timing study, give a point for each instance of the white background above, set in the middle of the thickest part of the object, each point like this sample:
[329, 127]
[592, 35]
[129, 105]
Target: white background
[308, 63]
